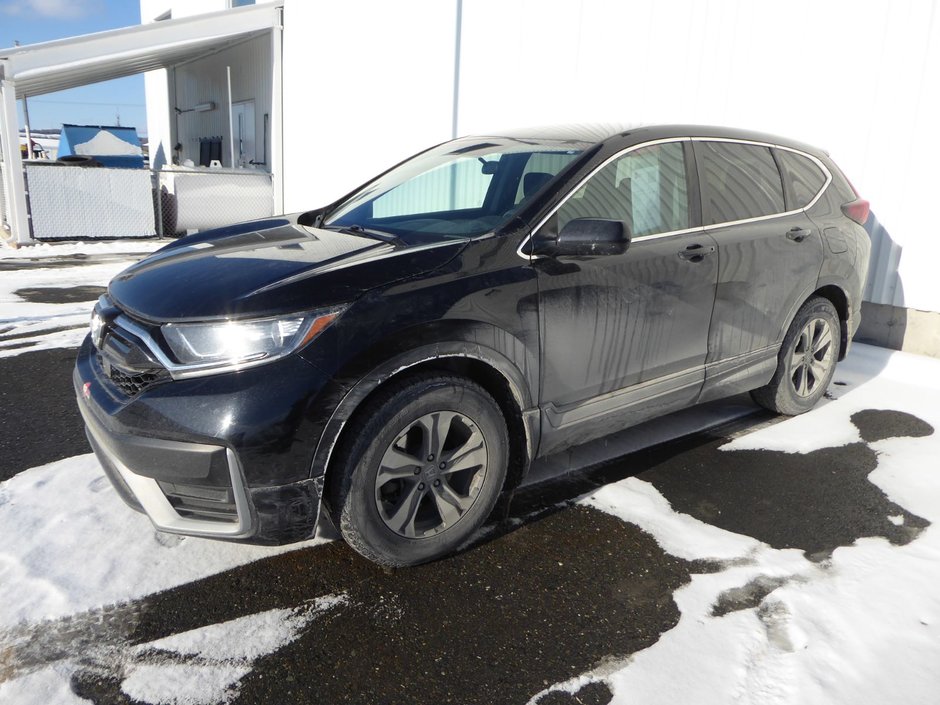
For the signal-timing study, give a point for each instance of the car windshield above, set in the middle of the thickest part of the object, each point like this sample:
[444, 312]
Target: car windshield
[460, 189]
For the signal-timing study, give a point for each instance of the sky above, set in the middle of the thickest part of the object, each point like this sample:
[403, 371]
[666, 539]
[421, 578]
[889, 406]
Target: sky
[34, 21]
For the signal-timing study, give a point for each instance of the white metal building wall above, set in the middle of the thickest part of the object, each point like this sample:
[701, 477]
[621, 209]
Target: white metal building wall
[856, 77]
[366, 84]
[860, 78]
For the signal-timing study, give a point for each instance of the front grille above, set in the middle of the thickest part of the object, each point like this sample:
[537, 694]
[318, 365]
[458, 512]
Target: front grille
[131, 382]
[126, 360]
[206, 503]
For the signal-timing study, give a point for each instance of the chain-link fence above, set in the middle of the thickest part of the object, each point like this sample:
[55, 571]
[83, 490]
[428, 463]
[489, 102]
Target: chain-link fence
[68, 202]
[191, 200]
[72, 202]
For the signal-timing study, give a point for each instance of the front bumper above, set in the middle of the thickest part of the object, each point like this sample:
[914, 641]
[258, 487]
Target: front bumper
[230, 517]
[190, 481]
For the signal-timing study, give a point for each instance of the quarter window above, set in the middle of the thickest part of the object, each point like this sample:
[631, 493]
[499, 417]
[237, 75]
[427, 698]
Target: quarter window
[739, 181]
[646, 189]
[805, 177]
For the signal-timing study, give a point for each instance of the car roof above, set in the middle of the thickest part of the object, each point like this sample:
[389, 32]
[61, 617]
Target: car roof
[633, 133]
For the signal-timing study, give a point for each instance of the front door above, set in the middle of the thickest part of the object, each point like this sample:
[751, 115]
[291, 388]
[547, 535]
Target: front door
[624, 337]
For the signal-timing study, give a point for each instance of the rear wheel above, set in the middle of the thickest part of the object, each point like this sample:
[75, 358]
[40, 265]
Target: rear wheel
[421, 469]
[806, 362]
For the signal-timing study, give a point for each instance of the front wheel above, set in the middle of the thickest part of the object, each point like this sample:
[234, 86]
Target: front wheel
[420, 470]
[806, 362]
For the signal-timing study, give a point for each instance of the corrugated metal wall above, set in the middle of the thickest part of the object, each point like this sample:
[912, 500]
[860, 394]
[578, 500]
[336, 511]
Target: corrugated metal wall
[204, 80]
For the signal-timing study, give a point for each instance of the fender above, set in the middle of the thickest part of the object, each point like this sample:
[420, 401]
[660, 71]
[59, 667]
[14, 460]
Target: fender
[514, 379]
[804, 296]
[851, 314]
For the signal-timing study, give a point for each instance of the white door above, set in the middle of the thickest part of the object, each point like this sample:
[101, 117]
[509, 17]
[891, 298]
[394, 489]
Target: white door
[243, 125]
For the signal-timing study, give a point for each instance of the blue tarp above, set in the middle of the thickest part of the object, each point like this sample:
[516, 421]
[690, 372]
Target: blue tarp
[111, 145]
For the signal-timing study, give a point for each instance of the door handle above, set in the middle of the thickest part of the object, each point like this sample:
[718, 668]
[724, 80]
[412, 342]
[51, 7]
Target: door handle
[798, 234]
[696, 252]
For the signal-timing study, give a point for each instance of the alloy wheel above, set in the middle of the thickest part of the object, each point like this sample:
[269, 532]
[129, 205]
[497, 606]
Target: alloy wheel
[431, 474]
[811, 359]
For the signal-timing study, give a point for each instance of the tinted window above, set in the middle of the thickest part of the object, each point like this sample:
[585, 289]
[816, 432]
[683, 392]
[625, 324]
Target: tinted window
[738, 181]
[461, 188]
[461, 184]
[805, 177]
[646, 189]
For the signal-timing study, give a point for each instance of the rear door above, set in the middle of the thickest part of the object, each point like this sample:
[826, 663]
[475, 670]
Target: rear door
[769, 260]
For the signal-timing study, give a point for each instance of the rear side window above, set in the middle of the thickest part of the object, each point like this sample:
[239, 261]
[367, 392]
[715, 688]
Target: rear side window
[739, 181]
[805, 177]
[645, 188]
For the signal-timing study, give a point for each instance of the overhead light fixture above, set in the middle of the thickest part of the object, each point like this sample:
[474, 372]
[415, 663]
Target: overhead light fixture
[200, 108]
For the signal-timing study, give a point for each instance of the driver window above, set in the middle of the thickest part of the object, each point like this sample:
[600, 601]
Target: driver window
[645, 188]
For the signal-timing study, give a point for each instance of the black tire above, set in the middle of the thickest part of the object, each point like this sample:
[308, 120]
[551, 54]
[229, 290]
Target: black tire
[372, 500]
[806, 361]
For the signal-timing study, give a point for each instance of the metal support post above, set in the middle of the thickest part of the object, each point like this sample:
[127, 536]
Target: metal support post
[13, 164]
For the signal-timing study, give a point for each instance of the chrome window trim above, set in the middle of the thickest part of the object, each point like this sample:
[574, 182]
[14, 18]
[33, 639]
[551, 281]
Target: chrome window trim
[702, 228]
[668, 233]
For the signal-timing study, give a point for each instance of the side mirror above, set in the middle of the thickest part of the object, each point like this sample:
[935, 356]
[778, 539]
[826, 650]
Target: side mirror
[587, 237]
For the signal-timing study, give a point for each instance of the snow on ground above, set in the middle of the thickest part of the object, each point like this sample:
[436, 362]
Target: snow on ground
[136, 248]
[26, 326]
[41, 324]
[200, 667]
[862, 627]
[50, 567]
[222, 654]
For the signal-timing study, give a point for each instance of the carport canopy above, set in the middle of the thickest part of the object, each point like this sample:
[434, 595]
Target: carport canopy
[67, 63]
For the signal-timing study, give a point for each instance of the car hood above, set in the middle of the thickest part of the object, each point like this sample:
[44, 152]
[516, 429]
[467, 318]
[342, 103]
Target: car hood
[267, 267]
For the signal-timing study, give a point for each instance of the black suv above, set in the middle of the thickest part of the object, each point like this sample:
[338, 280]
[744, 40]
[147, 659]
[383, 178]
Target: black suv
[404, 354]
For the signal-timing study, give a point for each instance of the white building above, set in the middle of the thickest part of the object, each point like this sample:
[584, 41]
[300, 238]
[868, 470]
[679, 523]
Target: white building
[322, 95]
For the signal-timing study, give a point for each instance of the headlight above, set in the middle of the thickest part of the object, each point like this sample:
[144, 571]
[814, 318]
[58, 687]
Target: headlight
[97, 328]
[235, 344]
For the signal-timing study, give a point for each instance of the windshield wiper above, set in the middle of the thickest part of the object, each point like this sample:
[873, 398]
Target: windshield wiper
[359, 230]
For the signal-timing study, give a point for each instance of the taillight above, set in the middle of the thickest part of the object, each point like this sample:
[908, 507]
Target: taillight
[857, 210]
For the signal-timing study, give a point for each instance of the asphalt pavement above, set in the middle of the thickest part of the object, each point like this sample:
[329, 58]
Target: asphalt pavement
[40, 420]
